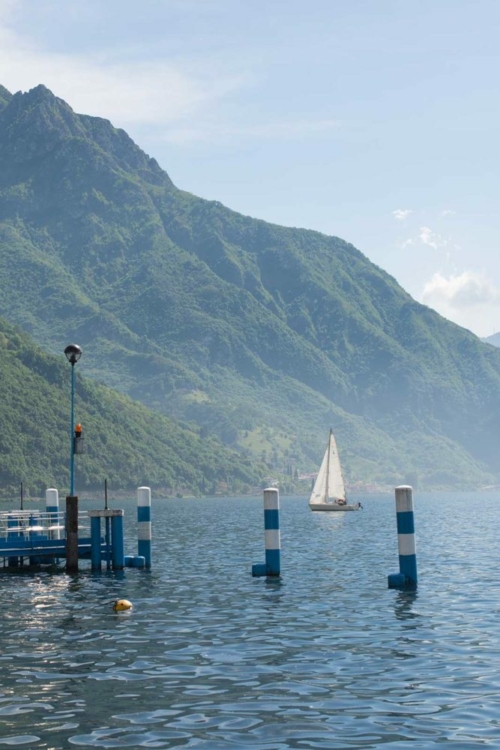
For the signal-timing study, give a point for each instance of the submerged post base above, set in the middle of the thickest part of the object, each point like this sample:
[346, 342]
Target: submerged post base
[261, 569]
[400, 581]
[135, 561]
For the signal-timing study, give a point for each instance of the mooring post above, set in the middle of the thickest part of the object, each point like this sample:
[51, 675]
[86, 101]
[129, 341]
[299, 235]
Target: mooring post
[115, 517]
[95, 542]
[117, 542]
[272, 536]
[71, 533]
[143, 526]
[407, 576]
[108, 527]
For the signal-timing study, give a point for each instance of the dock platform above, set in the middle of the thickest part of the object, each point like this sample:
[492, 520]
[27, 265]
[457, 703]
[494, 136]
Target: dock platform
[38, 537]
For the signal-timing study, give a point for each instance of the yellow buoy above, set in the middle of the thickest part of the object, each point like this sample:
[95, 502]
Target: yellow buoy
[121, 604]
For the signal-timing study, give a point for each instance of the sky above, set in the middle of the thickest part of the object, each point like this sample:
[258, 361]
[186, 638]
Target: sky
[376, 121]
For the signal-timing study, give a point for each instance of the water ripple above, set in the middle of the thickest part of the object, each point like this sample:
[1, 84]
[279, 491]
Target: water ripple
[209, 657]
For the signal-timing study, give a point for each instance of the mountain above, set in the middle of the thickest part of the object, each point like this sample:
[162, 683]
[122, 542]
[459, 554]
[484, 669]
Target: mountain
[5, 97]
[260, 334]
[124, 441]
[494, 340]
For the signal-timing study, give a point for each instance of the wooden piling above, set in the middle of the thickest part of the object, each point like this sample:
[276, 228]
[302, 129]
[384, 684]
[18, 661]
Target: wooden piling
[71, 533]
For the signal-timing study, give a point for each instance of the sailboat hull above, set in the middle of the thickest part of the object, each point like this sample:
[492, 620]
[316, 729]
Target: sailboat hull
[333, 506]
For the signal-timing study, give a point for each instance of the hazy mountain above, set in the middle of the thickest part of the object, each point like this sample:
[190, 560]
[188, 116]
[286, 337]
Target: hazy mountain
[262, 334]
[494, 339]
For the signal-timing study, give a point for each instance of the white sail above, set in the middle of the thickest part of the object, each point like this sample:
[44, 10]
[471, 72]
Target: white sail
[329, 484]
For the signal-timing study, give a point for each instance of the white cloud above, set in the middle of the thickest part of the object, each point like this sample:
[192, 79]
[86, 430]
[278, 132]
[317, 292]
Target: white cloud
[107, 84]
[400, 214]
[180, 99]
[467, 290]
[431, 238]
[447, 212]
[129, 92]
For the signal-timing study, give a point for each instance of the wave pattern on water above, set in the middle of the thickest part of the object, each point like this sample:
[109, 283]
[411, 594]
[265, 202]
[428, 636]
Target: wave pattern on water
[210, 657]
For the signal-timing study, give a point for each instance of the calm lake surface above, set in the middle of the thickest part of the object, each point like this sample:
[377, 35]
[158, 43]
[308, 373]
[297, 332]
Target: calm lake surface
[210, 657]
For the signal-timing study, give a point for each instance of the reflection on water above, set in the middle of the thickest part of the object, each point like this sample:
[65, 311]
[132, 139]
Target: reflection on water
[404, 605]
[210, 657]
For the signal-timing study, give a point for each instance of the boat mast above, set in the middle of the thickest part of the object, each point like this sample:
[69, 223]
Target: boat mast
[328, 464]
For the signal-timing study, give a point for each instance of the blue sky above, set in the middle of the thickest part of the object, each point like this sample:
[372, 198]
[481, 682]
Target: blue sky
[373, 120]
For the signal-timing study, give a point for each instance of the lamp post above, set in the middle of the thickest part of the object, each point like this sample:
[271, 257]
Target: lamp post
[73, 354]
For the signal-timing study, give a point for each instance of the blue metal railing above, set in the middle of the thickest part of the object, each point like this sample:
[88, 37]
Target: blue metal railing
[38, 534]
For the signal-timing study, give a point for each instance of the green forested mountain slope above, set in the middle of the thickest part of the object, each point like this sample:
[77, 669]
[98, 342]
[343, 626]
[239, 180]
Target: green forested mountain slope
[124, 441]
[262, 334]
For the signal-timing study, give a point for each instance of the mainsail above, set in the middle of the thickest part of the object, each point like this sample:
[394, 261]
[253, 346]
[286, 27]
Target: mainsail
[329, 484]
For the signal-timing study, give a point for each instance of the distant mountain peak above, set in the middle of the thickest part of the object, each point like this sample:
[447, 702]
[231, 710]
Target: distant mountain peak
[37, 123]
[494, 339]
[38, 92]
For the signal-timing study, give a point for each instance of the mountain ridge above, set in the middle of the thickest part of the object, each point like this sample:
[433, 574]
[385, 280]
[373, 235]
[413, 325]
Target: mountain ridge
[232, 322]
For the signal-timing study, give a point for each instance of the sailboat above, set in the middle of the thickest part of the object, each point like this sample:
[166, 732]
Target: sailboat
[329, 491]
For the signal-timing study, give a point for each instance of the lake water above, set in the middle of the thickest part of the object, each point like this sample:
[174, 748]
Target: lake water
[212, 658]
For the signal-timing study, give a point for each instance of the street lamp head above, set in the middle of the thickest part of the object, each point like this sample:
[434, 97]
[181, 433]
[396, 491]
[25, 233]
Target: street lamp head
[73, 353]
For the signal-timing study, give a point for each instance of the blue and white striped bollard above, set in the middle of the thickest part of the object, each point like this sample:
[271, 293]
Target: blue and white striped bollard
[144, 525]
[407, 576]
[272, 536]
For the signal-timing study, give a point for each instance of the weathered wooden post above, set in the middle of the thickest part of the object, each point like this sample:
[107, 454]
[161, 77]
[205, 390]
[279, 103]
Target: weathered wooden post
[71, 533]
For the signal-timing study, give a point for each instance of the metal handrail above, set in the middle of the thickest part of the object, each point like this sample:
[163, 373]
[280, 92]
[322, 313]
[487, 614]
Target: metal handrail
[37, 521]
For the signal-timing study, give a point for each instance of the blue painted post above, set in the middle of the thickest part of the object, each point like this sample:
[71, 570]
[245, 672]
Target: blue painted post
[117, 544]
[95, 542]
[107, 535]
[13, 523]
[107, 538]
[407, 576]
[272, 536]
[144, 525]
